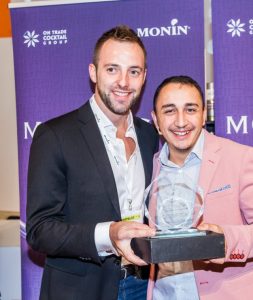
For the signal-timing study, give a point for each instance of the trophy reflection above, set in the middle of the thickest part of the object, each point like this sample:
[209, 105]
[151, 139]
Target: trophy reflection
[174, 206]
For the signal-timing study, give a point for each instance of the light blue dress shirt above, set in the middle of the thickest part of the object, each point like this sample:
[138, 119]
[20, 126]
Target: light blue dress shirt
[180, 286]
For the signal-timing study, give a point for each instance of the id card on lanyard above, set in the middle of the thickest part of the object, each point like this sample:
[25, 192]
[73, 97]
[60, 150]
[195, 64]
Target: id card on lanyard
[132, 215]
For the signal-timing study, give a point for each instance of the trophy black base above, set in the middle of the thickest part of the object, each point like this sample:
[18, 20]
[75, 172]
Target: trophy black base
[169, 249]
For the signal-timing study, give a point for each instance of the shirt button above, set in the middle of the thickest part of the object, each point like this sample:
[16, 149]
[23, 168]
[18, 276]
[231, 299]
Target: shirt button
[231, 256]
[238, 256]
[242, 256]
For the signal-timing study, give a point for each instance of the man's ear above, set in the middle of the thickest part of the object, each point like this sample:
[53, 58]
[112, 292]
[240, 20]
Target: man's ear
[155, 122]
[93, 73]
[145, 75]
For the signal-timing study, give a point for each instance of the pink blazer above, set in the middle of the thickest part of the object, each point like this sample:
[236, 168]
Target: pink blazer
[226, 176]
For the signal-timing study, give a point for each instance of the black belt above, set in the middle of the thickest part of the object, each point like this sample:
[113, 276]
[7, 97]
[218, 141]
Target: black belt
[132, 270]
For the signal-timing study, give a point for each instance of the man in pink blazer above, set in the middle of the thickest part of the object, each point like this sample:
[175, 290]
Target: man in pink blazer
[225, 173]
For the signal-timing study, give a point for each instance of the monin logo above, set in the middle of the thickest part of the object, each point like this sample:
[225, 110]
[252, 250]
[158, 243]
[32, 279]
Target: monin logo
[29, 131]
[171, 30]
[241, 126]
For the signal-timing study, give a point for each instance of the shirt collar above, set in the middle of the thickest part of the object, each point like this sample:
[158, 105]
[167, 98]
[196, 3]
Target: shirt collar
[197, 151]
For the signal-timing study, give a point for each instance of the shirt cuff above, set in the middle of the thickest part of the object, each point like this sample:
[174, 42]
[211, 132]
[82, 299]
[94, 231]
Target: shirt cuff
[102, 239]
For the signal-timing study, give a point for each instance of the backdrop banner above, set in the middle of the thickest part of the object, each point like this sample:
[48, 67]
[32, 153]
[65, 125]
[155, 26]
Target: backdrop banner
[233, 68]
[53, 46]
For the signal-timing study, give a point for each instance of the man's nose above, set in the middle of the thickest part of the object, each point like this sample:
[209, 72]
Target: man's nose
[181, 120]
[123, 80]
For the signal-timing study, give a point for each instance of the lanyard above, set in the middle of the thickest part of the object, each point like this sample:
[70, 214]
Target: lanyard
[111, 149]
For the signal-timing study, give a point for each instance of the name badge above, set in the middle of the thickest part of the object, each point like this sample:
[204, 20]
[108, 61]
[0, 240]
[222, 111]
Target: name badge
[133, 215]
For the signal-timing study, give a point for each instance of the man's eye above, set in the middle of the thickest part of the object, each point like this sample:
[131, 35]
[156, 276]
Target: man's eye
[111, 70]
[191, 110]
[169, 111]
[135, 73]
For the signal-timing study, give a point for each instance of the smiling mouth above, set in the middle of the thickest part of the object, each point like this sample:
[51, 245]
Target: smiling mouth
[181, 133]
[122, 93]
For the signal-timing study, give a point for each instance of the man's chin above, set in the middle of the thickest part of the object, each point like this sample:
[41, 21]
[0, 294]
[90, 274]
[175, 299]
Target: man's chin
[122, 111]
[183, 148]
[122, 108]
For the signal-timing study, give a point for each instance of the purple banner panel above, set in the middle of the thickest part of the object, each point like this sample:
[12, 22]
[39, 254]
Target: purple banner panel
[53, 47]
[233, 68]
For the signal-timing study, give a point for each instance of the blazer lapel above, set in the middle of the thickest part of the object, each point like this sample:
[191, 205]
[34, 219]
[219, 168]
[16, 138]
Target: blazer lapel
[92, 136]
[146, 159]
[210, 162]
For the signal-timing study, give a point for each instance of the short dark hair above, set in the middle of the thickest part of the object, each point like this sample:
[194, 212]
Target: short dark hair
[182, 79]
[121, 33]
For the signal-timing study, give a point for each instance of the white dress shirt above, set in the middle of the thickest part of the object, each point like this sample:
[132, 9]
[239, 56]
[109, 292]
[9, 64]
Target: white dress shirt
[129, 175]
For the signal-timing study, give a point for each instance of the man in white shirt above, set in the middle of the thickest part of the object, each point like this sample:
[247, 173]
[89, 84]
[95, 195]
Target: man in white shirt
[87, 173]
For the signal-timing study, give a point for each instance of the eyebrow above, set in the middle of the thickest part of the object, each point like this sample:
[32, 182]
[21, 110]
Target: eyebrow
[173, 105]
[111, 65]
[136, 67]
[191, 104]
[168, 105]
[117, 65]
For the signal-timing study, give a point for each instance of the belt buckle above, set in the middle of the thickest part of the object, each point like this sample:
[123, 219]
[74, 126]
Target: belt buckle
[125, 271]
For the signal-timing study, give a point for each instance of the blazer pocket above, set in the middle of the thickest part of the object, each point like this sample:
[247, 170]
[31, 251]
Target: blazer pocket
[219, 194]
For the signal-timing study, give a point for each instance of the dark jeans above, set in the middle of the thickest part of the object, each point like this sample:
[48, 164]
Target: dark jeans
[133, 288]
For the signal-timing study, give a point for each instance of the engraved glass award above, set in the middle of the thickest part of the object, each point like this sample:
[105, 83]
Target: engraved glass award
[174, 206]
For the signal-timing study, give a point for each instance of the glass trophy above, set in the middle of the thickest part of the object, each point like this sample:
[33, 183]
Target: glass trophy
[174, 206]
